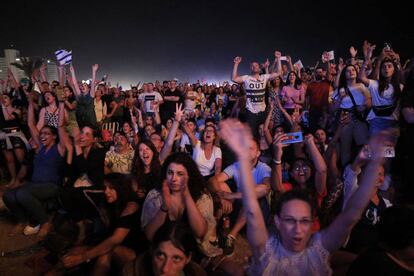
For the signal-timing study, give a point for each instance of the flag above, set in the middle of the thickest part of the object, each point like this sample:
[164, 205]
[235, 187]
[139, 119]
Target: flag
[299, 64]
[64, 57]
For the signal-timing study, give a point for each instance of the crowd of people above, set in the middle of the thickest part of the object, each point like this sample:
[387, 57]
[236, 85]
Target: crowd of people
[311, 165]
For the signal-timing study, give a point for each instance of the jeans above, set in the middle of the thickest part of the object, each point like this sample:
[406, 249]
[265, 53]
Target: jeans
[254, 120]
[26, 201]
[355, 131]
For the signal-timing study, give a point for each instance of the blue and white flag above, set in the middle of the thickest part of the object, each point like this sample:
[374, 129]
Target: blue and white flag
[64, 57]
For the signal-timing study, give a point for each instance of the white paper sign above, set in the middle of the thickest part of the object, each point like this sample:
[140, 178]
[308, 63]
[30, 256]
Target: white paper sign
[328, 56]
[299, 64]
[283, 58]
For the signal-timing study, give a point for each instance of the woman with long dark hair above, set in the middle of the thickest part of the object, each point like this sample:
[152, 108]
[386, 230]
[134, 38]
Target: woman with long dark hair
[385, 93]
[293, 95]
[122, 243]
[352, 99]
[171, 253]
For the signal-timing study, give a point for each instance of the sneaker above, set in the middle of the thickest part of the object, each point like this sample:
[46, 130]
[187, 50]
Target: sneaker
[229, 245]
[31, 230]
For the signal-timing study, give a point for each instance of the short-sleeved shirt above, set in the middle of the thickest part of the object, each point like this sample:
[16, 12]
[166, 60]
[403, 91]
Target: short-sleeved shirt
[149, 98]
[119, 163]
[318, 93]
[255, 92]
[346, 101]
[387, 98]
[259, 172]
[206, 166]
[291, 95]
[276, 260]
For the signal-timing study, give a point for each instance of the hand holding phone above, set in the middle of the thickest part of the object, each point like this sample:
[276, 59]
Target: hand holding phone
[293, 137]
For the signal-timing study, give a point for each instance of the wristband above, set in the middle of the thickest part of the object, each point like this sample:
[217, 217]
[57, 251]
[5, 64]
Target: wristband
[277, 162]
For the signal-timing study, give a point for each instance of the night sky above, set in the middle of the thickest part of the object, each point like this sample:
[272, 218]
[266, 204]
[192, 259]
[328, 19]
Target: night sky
[190, 40]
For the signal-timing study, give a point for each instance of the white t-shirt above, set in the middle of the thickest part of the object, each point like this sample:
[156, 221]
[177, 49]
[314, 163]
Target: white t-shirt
[206, 166]
[149, 98]
[377, 100]
[259, 172]
[255, 92]
[346, 102]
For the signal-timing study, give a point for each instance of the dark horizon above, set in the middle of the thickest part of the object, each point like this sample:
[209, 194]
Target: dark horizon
[181, 39]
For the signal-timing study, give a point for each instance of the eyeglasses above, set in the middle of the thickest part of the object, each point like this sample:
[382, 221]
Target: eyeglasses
[293, 221]
[303, 167]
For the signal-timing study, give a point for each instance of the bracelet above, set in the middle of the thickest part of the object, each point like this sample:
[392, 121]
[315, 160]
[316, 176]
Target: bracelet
[277, 162]
[163, 210]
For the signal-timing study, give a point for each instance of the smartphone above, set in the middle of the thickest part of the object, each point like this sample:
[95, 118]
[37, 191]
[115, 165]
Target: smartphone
[293, 137]
[60, 94]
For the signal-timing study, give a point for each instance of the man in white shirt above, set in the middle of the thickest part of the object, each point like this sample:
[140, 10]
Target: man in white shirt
[255, 88]
[150, 100]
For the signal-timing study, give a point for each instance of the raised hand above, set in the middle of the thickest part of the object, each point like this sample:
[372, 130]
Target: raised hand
[352, 51]
[237, 60]
[95, 67]
[266, 64]
[309, 139]
[237, 136]
[289, 59]
[278, 145]
[71, 69]
[179, 111]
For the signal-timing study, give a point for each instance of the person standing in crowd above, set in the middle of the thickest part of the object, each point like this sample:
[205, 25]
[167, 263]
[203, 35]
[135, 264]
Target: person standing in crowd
[255, 88]
[293, 95]
[171, 97]
[385, 92]
[317, 99]
[353, 100]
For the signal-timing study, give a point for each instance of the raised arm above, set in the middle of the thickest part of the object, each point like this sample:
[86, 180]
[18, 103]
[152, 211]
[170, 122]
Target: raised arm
[167, 148]
[276, 179]
[61, 75]
[12, 79]
[238, 137]
[266, 125]
[319, 163]
[63, 135]
[235, 76]
[335, 235]
[74, 81]
[31, 121]
[368, 49]
[42, 70]
[94, 70]
[277, 66]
